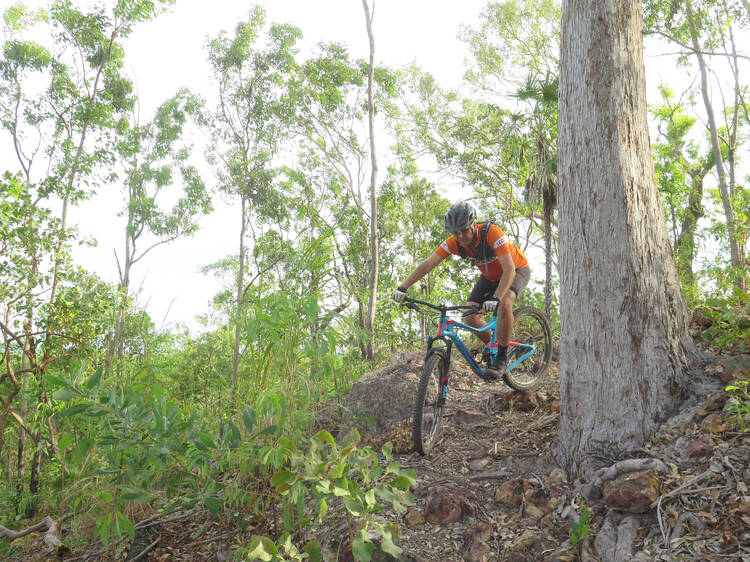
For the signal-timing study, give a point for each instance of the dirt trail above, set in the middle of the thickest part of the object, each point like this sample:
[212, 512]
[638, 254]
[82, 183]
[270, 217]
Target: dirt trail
[490, 490]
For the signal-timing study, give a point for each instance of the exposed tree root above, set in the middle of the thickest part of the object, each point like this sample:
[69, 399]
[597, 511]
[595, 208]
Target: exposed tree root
[593, 490]
[46, 525]
[615, 539]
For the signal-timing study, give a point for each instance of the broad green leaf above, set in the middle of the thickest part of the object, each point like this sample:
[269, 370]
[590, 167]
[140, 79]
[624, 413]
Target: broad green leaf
[235, 437]
[213, 504]
[94, 379]
[102, 529]
[56, 381]
[126, 525]
[387, 450]
[281, 477]
[387, 544]
[65, 394]
[362, 546]
[314, 551]
[325, 437]
[206, 439]
[135, 494]
[83, 448]
[322, 509]
[248, 418]
[355, 507]
[65, 441]
[269, 430]
[74, 409]
[261, 548]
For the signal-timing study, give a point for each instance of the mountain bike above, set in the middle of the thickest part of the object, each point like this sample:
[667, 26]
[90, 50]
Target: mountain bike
[528, 358]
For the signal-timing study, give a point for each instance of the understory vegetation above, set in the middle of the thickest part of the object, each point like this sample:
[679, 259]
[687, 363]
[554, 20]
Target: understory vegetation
[107, 420]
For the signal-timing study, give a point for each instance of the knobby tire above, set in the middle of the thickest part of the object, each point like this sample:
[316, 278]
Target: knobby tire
[428, 408]
[530, 326]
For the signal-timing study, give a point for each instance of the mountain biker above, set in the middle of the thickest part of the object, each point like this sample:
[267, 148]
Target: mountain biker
[505, 273]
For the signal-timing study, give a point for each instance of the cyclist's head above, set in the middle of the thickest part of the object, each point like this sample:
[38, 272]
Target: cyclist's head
[460, 216]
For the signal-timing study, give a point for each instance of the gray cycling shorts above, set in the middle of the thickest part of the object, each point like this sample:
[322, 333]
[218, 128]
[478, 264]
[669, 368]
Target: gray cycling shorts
[484, 288]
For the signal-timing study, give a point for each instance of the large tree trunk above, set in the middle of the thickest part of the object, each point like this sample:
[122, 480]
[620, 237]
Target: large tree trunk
[374, 242]
[624, 346]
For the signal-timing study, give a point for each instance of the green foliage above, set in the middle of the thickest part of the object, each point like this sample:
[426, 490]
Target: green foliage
[738, 405]
[580, 530]
[137, 445]
[326, 477]
[730, 324]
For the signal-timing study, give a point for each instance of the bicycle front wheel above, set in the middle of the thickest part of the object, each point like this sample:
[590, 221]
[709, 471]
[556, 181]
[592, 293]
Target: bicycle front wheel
[428, 409]
[532, 335]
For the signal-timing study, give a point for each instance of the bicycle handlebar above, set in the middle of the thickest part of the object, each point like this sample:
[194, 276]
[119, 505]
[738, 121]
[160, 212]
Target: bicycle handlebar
[412, 303]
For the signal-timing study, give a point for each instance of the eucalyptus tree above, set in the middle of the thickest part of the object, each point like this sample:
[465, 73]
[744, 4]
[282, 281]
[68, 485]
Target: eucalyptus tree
[254, 72]
[625, 350]
[374, 241]
[333, 128]
[681, 168]
[60, 98]
[153, 155]
[411, 227]
[705, 30]
[499, 133]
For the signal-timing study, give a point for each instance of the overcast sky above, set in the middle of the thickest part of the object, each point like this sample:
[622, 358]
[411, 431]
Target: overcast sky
[168, 53]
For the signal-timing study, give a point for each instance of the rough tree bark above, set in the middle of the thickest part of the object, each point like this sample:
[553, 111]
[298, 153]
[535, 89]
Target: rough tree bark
[625, 349]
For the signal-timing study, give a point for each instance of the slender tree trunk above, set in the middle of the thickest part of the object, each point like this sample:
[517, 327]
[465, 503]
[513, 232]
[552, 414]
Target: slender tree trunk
[361, 314]
[21, 460]
[734, 251]
[36, 469]
[685, 243]
[122, 313]
[549, 205]
[240, 291]
[624, 345]
[374, 242]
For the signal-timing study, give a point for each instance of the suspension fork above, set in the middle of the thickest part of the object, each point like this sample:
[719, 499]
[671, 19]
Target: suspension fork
[446, 353]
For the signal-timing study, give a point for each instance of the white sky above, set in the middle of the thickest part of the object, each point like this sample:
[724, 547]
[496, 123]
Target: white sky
[167, 54]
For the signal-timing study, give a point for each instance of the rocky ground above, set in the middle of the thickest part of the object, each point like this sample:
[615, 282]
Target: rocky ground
[491, 489]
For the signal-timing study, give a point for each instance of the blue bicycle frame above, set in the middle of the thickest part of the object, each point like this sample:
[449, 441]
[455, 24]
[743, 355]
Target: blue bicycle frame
[447, 332]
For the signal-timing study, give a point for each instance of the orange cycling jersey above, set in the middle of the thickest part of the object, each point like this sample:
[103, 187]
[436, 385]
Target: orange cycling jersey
[486, 259]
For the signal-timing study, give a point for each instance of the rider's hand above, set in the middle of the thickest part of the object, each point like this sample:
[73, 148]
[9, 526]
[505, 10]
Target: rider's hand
[490, 305]
[399, 295]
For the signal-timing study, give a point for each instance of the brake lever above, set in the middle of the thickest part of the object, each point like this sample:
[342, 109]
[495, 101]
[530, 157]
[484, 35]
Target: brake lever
[412, 306]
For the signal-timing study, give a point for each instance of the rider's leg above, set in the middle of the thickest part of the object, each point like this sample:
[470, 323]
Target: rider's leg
[482, 290]
[505, 318]
[477, 321]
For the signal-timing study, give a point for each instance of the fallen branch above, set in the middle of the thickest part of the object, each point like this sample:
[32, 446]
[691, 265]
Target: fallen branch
[47, 525]
[702, 476]
[145, 550]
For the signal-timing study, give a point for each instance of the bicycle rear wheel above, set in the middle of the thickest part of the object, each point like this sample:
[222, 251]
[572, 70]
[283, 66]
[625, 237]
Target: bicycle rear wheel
[428, 409]
[531, 329]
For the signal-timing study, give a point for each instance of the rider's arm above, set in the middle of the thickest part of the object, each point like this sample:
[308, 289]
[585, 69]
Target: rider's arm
[506, 279]
[421, 270]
